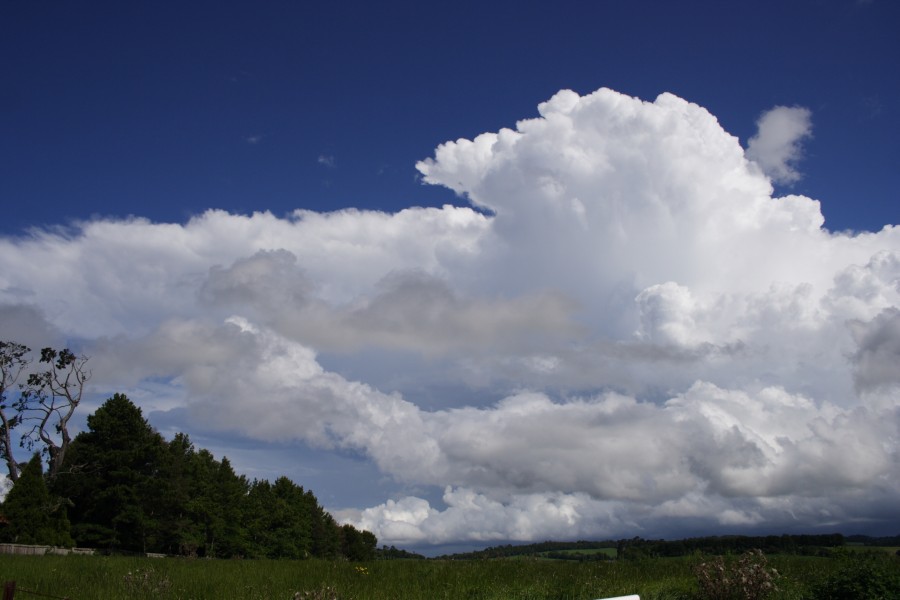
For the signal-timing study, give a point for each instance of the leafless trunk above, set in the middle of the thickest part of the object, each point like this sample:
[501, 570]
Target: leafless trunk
[51, 400]
[12, 363]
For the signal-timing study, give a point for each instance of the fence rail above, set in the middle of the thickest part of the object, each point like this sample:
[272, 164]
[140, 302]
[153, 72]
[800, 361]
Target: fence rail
[30, 549]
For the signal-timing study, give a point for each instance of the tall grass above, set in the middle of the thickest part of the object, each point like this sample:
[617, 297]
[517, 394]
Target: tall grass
[117, 578]
[122, 578]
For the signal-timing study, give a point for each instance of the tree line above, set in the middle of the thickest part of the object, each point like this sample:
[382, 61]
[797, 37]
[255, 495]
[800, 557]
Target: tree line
[801, 544]
[638, 548]
[119, 486]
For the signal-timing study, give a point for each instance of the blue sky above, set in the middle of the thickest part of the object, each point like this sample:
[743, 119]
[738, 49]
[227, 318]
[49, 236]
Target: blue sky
[163, 111]
[480, 272]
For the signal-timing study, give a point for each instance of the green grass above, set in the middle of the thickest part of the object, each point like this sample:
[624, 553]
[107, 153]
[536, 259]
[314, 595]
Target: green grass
[101, 578]
[893, 550]
[611, 552]
[121, 578]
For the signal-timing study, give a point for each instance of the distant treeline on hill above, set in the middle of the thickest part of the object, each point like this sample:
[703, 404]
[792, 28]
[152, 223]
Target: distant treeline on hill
[394, 553]
[865, 540]
[510, 550]
[639, 548]
[770, 544]
[123, 488]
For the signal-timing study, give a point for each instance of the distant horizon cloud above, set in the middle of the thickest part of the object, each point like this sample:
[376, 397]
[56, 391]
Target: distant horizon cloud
[628, 332]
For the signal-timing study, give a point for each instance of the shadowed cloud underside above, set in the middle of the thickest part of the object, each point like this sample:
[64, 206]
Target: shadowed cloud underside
[628, 332]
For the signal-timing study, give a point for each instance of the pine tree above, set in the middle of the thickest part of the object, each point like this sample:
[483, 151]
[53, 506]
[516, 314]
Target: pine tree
[33, 516]
[131, 491]
[111, 478]
[216, 499]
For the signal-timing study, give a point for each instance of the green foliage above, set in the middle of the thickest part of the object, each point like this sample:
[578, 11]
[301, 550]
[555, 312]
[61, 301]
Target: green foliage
[131, 491]
[868, 577]
[810, 545]
[110, 478]
[282, 519]
[323, 593]
[357, 545]
[394, 553]
[641, 549]
[146, 581]
[33, 516]
[581, 555]
[104, 578]
[864, 540]
[538, 549]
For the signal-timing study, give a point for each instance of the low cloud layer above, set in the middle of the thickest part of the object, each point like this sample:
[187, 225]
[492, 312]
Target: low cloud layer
[633, 335]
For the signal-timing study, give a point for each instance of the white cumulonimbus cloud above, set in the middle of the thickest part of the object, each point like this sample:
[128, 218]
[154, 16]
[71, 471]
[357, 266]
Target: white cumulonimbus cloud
[634, 336]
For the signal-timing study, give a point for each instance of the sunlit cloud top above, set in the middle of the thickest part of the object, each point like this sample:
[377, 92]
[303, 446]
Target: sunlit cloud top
[629, 332]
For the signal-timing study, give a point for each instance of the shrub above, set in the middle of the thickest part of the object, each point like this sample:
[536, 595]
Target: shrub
[864, 578]
[746, 579]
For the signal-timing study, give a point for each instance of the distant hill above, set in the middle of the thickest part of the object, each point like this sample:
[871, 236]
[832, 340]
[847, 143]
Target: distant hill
[865, 540]
[393, 553]
[541, 548]
[639, 547]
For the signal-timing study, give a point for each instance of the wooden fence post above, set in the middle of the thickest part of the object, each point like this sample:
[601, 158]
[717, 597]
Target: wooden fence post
[9, 590]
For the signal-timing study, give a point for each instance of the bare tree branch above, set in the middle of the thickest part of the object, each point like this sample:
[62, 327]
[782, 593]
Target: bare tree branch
[13, 362]
[50, 400]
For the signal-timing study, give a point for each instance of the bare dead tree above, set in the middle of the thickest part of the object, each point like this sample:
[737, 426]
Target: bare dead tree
[13, 362]
[49, 401]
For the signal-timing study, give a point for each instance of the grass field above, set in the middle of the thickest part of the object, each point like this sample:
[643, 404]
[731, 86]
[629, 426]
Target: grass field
[892, 550]
[610, 552]
[120, 578]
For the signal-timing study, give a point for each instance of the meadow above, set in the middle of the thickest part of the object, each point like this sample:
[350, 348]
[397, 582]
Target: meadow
[118, 578]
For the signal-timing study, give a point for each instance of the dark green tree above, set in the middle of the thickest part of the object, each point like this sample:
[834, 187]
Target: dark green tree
[278, 519]
[231, 489]
[111, 476]
[131, 491]
[32, 515]
[215, 507]
[292, 502]
[179, 533]
[357, 545]
[285, 521]
[866, 577]
[258, 516]
[326, 533]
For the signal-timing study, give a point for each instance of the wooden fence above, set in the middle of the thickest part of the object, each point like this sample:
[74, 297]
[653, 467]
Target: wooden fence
[41, 550]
